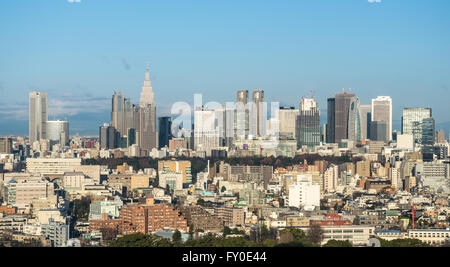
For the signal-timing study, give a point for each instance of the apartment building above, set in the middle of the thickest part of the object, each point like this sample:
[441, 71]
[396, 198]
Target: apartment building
[434, 237]
[51, 166]
[356, 234]
[150, 217]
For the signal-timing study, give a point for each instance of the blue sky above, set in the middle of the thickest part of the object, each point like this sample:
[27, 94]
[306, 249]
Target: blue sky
[81, 52]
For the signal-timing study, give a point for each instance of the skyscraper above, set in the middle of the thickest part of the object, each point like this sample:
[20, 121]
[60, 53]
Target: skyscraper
[343, 118]
[108, 137]
[206, 131]
[165, 131]
[58, 132]
[378, 131]
[38, 116]
[440, 137]
[242, 119]
[258, 118]
[308, 124]
[6, 145]
[382, 111]
[412, 121]
[366, 118]
[287, 117]
[331, 120]
[147, 116]
[428, 131]
[124, 114]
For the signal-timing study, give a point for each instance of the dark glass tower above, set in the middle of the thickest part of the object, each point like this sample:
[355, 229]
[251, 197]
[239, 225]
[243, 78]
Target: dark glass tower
[165, 131]
[428, 132]
[378, 131]
[109, 137]
[331, 120]
[344, 120]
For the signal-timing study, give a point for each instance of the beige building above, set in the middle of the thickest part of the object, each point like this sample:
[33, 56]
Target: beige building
[51, 166]
[25, 191]
[434, 237]
[44, 216]
[287, 120]
[356, 234]
[232, 217]
[75, 181]
[183, 166]
[363, 168]
[172, 179]
[297, 221]
[140, 181]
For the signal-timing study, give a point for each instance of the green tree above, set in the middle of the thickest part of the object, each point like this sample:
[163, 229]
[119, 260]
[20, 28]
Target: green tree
[176, 237]
[408, 242]
[226, 231]
[269, 243]
[338, 243]
[315, 234]
[140, 240]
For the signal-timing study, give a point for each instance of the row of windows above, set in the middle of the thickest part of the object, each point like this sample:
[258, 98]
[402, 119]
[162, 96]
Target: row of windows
[430, 235]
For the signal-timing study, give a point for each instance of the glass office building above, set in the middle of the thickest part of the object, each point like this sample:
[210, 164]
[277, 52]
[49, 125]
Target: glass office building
[412, 121]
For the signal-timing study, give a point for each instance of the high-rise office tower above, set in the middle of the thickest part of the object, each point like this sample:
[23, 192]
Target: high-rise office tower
[258, 118]
[382, 111]
[308, 124]
[165, 131]
[147, 116]
[242, 119]
[343, 118]
[428, 131]
[38, 116]
[287, 117]
[6, 145]
[58, 132]
[378, 131]
[131, 137]
[117, 112]
[366, 118]
[412, 121]
[440, 137]
[206, 131]
[331, 120]
[108, 137]
[123, 114]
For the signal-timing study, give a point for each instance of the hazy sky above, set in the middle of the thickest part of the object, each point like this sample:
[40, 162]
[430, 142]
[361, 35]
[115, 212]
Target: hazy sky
[81, 52]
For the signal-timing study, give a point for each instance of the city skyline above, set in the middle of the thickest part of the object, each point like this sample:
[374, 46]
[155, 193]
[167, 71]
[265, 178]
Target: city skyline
[396, 122]
[205, 124]
[77, 69]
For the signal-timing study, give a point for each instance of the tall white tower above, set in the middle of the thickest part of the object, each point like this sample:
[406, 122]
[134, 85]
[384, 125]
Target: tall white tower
[147, 136]
[38, 116]
[147, 96]
[382, 111]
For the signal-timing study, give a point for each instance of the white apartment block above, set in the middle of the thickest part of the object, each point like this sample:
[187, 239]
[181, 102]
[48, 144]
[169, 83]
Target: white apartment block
[304, 193]
[173, 179]
[358, 235]
[49, 166]
[434, 237]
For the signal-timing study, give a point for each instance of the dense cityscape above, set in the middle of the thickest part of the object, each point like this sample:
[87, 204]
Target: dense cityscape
[235, 178]
[224, 131]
